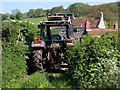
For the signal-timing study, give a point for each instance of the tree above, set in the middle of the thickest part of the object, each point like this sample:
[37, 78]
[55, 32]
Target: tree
[4, 16]
[12, 17]
[47, 12]
[31, 13]
[57, 9]
[19, 16]
[66, 11]
[39, 13]
[77, 9]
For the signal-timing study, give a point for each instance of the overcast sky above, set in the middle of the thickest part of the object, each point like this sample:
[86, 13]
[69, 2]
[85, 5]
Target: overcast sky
[24, 5]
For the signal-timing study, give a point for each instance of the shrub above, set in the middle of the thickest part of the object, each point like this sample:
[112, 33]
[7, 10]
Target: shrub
[93, 62]
[14, 46]
[13, 64]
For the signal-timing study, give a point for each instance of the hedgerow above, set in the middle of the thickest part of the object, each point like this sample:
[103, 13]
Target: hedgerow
[93, 62]
[14, 47]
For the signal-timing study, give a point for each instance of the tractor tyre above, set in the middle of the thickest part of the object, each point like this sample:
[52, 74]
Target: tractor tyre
[38, 60]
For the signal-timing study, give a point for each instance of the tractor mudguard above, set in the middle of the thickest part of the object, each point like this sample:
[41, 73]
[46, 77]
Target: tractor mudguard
[39, 43]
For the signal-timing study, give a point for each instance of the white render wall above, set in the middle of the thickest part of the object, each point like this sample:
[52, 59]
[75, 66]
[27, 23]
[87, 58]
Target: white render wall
[101, 24]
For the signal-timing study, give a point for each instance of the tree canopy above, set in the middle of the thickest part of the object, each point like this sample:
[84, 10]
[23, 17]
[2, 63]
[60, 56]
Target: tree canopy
[57, 9]
[78, 9]
[19, 15]
[33, 13]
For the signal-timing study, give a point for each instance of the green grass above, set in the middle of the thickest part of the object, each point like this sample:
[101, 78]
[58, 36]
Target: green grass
[58, 80]
[45, 80]
[36, 21]
[36, 80]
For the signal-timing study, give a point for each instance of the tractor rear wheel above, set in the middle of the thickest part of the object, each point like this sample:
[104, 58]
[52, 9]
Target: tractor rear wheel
[38, 59]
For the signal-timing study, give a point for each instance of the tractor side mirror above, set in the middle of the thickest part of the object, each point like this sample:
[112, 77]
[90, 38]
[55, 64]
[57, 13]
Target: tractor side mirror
[39, 26]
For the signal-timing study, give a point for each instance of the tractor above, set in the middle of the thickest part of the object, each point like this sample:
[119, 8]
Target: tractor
[49, 48]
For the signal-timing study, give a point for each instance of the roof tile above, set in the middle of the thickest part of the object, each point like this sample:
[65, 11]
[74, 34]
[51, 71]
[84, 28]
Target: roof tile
[81, 22]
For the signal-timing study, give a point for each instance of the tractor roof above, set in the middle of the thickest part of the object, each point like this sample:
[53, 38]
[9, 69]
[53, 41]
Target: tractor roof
[63, 14]
[55, 23]
[55, 18]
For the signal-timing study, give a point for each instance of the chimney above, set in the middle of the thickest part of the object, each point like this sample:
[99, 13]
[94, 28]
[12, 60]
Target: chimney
[87, 24]
[116, 26]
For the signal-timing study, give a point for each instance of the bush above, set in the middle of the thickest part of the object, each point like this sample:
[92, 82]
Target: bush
[93, 62]
[14, 46]
[13, 64]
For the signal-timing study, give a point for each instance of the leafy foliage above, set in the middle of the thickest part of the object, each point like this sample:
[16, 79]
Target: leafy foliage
[12, 17]
[57, 9]
[19, 16]
[4, 16]
[78, 9]
[37, 80]
[13, 52]
[32, 13]
[58, 80]
[94, 62]
[13, 64]
[40, 13]
[45, 80]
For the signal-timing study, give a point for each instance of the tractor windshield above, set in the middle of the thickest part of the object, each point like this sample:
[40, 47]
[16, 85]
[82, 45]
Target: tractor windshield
[58, 33]
[54, 33]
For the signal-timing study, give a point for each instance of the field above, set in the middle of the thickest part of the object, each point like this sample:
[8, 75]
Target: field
[36, 21]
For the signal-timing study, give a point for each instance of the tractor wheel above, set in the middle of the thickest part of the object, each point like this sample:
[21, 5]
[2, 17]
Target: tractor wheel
[38, 60]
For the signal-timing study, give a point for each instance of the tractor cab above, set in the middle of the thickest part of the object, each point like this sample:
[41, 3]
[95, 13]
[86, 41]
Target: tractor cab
[51, 29]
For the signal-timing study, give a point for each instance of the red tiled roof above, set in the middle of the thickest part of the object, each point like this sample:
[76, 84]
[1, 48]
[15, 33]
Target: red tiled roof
[81, 22]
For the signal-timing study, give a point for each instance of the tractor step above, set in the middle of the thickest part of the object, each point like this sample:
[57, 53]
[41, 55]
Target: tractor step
[65, 64]
[64, 69]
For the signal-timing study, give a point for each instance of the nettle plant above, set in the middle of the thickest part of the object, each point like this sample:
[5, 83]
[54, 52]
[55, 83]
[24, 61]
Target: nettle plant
[93, 62]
